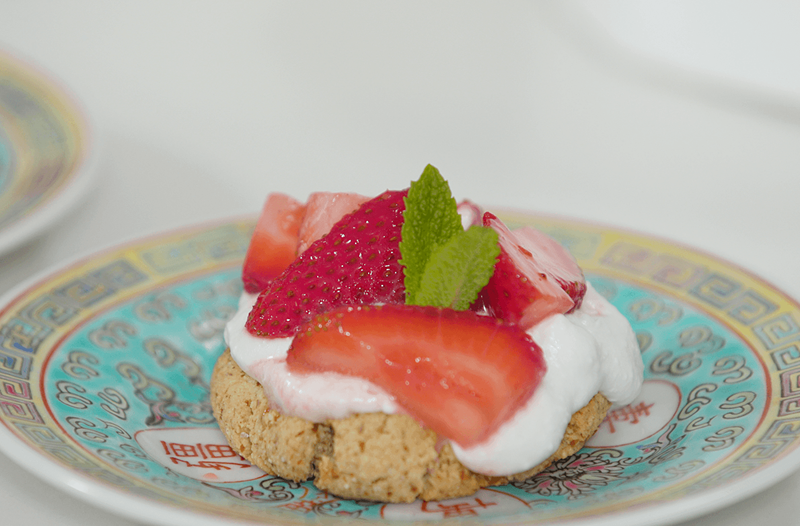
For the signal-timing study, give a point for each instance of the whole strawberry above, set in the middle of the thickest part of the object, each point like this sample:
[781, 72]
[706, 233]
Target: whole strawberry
[357, 262]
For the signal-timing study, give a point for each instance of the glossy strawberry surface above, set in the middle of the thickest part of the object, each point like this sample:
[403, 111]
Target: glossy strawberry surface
[534, 278]
[323, 210]
[273, 245]
[357, 262]
[471, 214]
[556, 261]
[458, 373]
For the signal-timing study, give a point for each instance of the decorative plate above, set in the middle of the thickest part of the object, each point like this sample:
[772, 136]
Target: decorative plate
[105, 364]
[45, 153]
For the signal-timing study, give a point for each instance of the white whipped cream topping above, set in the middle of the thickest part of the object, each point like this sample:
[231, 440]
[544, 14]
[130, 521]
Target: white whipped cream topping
[315, 397]
[593, 349]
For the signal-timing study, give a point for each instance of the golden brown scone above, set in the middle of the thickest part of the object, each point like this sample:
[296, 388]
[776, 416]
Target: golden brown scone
[388, 458]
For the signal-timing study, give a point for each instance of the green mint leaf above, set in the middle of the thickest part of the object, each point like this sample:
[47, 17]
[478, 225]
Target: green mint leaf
[430, 219]
[458, 270]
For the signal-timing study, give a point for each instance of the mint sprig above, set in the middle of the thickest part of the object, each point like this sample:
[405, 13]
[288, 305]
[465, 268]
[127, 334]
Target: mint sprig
[444, 265]
[458, 270]
[429, 221]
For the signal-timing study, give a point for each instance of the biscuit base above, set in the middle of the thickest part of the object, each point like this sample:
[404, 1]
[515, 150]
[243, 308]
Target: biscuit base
[374, 456]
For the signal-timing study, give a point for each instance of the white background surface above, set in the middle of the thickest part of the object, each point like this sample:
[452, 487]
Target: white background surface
[677, 121]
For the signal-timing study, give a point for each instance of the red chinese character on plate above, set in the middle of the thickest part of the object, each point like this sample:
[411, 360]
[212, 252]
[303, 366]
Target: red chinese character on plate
[652, 410]
[629, 413]
[457, 509]
[201, 453]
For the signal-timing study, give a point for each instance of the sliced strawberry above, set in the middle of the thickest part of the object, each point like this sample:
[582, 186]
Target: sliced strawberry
[356, 262]
[458, 373]
[471, 214]
[274, 242]
[323, 210]
[557, 261]
[534, 278]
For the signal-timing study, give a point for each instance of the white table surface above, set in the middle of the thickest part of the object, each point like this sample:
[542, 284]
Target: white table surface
[204, 107]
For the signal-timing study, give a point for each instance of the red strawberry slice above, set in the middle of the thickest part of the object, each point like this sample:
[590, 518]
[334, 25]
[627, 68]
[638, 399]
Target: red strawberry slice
[557, 260]
[534, 278]
[471, 214]
[356, 262]
[274, 242]
[323, 210]
[458, 373]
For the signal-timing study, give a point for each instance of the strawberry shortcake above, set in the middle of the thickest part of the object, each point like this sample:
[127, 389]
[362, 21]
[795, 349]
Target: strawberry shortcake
[406, 347]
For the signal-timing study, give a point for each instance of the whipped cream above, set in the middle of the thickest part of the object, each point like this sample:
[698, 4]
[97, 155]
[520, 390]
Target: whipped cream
[588, 351]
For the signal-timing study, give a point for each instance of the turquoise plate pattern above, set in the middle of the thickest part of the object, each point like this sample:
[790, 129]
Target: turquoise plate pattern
[105, 367]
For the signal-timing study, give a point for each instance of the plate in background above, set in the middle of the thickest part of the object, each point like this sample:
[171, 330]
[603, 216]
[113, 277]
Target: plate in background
[46, 153]
[105, 363]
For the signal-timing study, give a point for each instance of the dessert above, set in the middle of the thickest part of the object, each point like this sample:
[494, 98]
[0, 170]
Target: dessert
[407, 347]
